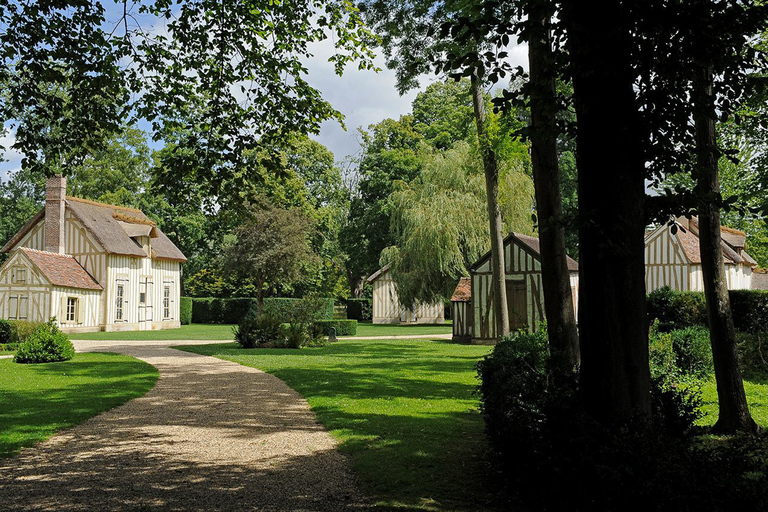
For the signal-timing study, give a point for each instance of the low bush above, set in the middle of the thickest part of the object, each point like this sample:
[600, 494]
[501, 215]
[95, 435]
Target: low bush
[255, 331]
[6, 332]
[46, 345]
[753, 353]
[676, 310]
[343, 327]
[680, 354]
[359, 309]
[8, 347]
[185, 310]
[750, 310]
[21, 330]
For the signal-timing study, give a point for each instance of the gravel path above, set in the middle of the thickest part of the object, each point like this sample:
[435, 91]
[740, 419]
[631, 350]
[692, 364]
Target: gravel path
[210, 436]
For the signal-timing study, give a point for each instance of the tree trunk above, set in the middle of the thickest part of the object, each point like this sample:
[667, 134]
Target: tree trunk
[259, 297]
[558, 303]
[734, 412]
[356, 285]
[615, 376]
[491, 167]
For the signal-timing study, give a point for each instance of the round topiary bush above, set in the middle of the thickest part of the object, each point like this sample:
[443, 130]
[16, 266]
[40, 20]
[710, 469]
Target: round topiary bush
[46, 345]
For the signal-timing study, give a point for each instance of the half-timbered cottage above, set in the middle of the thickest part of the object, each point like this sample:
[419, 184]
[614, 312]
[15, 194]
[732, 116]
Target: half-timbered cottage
[674, 259]
[388, 310]
[525, 297]
[92, 266]
[461, 311]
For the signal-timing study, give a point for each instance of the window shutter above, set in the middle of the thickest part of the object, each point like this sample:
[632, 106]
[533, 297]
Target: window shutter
[80, 310]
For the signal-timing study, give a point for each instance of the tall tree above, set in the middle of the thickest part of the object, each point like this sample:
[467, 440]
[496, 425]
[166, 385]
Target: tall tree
[412, 37]
[558, 303]
[615, 378]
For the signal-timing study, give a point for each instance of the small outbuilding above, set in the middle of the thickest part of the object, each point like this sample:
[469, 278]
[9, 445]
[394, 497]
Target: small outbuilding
[525, 296]
[388, 310]
[461, 311]
[674, 259]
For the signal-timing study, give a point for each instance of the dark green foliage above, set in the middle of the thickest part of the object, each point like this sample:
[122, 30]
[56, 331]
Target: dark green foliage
[343, 327]
[46, 345]
[750, 310]
[8, 347]
[6, 332]
[185, 310]
[753, 352]
[680, 354]
[359, 309]
[211, 310]
[21, 330]
[253, 331]
[289, 309]
[676, 310]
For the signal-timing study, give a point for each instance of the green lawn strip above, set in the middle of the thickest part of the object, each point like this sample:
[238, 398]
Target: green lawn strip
[37, 400]
[403, 411]
[757, 398]
[186, 332]
[224, 332]
[368, 329]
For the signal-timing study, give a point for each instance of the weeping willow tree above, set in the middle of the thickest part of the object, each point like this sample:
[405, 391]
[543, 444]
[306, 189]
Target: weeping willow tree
[440, 220]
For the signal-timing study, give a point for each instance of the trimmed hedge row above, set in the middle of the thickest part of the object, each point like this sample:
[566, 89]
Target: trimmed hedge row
[16, 331]
[343, 327]
[211, 310]
[359, 309]
[185, 310]
[678, 310]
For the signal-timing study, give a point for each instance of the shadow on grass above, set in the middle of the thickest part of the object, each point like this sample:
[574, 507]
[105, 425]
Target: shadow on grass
[37, 400]
[404, 412]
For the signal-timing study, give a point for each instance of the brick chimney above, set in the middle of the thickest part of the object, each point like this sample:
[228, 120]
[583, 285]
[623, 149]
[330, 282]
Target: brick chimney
[55, 195]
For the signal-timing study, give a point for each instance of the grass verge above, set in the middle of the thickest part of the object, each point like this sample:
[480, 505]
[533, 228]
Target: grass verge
[37, 400]
[403, 411]
[757, 398]
[223, 332]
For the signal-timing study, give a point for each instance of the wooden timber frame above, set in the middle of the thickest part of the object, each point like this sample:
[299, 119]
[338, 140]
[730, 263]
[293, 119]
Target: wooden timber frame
[525, 296]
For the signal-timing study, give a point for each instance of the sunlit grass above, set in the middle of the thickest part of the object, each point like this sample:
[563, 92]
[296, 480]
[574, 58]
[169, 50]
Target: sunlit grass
[403, 411]
[37, 400]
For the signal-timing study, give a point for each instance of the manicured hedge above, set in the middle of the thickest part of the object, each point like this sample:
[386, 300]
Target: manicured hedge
[185, 310]
[343, 327]
[285, 309]
[211, 310]
[359, 309]
[678, 310]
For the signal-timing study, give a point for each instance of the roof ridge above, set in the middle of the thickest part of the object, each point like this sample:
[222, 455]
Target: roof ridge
[98, 203]
[133, 220]
[30, 249]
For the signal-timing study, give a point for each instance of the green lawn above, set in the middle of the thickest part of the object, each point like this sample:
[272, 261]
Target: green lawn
[36, 400]
[403, 411]
[757, 398]
[224, 332]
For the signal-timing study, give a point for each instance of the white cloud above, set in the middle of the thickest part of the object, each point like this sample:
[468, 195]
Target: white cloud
[11, 159]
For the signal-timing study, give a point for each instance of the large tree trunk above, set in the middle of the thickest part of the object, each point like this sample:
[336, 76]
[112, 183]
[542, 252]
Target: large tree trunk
[734, 412]
[491, 167]
[615, 376]
[356, 284]
[558, 303]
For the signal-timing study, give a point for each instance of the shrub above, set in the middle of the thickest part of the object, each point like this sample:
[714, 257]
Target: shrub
[359, 309]
[254, 331]
[296, 335]
[662, 358]
[343, 327]
[676, 310]
[288, 309]
[47, 344]
[753, 352]
[750, 310]
[185, 310]
[693, 351]
[21, 330]
[6, 332]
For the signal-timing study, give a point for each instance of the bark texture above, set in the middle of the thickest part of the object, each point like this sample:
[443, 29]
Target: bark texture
[558, 303]
[491, 167]
[734, 412]
[615, 377]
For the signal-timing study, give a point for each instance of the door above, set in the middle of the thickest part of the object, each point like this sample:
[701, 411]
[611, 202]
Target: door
[143, 305]
[517, 305]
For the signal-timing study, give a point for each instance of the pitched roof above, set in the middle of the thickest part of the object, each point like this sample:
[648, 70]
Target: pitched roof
[463, 291]
[61, 270]
[531, 243]
[383, 270]
[732, 254]
[113, 226]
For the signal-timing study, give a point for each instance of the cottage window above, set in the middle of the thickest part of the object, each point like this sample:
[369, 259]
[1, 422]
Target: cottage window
[166, 302]
[23, 307]
[19, 276]
[71, 312]
[119, 299]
